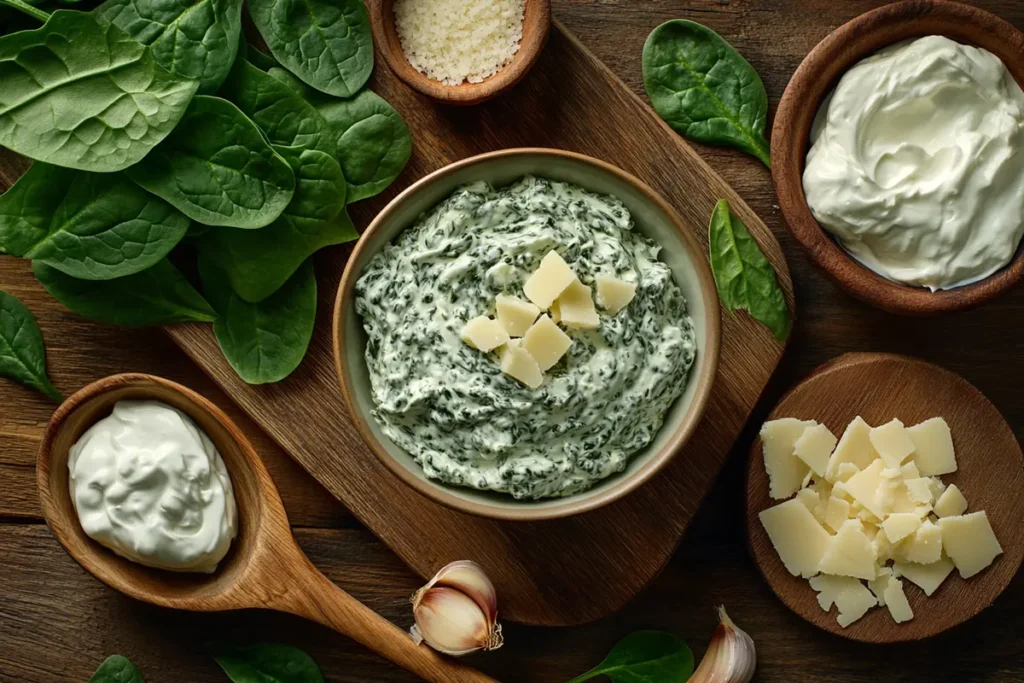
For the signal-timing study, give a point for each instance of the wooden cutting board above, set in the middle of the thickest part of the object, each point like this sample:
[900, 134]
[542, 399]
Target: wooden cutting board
[559, 572]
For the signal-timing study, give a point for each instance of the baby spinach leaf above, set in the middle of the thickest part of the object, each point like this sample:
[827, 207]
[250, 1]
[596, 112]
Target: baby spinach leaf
[266, 663]
[116, 669]
[704, 88]
[266, 341]
[284, 117]
[85, 95]
[743, 275]
[26, 9]
[88, 225]
[218, 169]
[22, 354]
[259, 59]
[157, 296]
[326, 43]
[195, 39]
[258, 262]
[645, 657]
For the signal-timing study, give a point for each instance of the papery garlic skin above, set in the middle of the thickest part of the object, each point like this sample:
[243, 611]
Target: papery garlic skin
[457, 611]
[731, 655]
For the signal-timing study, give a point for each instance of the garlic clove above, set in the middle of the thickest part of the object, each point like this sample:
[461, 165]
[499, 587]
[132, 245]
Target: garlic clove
[451, 622]
[468, 578]
[731, 655]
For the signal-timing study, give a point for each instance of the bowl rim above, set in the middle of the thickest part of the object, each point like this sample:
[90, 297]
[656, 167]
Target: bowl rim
[537, 16]
[815, 78]
[579, 503]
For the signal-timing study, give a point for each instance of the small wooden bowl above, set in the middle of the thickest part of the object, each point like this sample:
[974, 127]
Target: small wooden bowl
[536, 26]
[815, 78]
[879, 387]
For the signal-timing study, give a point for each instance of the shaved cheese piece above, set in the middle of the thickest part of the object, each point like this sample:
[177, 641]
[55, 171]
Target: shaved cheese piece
[892, 443]
[925, 546]
[970, 542]
[853, 603]
[879, 584]
[854, 447]
[864, 487]
[514, 314]
[927, 577]
[900, 525]
[896, 601]
[831, 587]
[613, 295]
[846, 470]
[836, 513]
[883, 548]
[839, 491]
[797, 536]
[815, 447]
[576, 308]
[938, 488]
[785, 471]
[517, 363]
[919, 490]
[951, 503]
[910, 470]
[546, 343]
[549, 280]
[933, 447]
[849, 553]
[809, 498]
[484, 334]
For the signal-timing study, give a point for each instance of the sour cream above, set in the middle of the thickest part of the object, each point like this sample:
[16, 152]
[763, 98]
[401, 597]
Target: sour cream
[150, 485]
[916, 164]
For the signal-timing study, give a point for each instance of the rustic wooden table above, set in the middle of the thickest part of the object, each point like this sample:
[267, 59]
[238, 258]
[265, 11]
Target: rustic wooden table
[57, 623]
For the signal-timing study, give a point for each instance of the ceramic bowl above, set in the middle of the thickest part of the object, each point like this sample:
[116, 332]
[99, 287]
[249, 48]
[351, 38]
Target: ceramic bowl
[815, 78]
[653, 217]
[536, 26]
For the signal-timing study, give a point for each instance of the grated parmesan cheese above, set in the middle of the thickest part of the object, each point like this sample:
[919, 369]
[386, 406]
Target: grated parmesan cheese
[459, 40]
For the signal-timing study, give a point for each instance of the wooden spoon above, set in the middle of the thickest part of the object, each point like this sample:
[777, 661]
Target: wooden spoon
[265, 567]
[536, 26]
[879, 387]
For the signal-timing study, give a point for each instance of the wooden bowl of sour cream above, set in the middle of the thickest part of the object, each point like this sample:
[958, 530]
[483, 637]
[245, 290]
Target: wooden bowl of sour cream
[816, 78]
[536, 26]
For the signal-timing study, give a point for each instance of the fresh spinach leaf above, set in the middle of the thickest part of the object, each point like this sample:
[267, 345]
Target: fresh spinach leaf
[157, 296]
[266, 663]
[88, 225]
[195, 39]
[85, 95]
[326, 43]
[22, 353]
[284, 117]
[743, 275]
[266, 341]
[645, 657]
[259, 59]
[218, 169]
[26, 9]
[258, 262]
[116, 669]
[704, 88]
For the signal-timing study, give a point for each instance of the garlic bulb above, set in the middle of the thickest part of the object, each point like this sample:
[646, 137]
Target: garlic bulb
[731, 656]
[457, 611]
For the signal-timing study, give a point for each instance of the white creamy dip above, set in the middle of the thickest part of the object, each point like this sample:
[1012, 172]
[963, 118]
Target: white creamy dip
[916, 164]
[150, 485]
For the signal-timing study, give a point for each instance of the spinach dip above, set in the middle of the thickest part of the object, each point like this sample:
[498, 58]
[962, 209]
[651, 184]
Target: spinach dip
[450, 406]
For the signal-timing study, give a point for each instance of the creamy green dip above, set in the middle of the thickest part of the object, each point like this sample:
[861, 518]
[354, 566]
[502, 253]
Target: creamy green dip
[451, 407]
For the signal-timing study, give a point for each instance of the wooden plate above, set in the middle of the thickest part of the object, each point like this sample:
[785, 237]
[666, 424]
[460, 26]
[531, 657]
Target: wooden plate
[816, 76]
[879, 387]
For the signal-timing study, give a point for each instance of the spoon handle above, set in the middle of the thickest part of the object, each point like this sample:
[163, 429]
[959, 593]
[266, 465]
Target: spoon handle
[317, 598]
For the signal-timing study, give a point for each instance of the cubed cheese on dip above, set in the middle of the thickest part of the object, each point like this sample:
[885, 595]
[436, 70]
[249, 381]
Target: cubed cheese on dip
[453, 409]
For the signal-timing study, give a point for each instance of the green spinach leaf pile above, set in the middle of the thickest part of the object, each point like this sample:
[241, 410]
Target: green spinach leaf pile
[159, 138]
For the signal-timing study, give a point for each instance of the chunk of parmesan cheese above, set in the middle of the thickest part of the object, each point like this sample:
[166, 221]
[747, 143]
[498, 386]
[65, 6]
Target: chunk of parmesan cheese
[969, 542]
[849, 553]
[951, 503]
[896, 601]
[853, 603]
[925, 546]
[831, 587]
[880, 583]
[933, 447]
[892, 443]
[815, 447]
[797, 536]
[484, 334]
[546, 343]
[854, 447]
[837, 512]
[514, 314]
[900, 525]
[517, 363]
[576, 307]
[919, 490]
[613, 295]
[864, 487]
[785, 471]
[549, 280]
[927, 577]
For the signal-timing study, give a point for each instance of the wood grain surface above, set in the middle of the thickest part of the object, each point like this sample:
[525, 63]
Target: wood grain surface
[879, 387]
[57, 623]
[556, 572]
